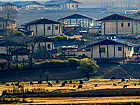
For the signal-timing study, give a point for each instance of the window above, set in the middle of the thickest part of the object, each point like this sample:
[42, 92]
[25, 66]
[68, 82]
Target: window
[56, 28]
[130, 48]
[121, 24]
[128, 24]
[119, 48]
[102, 50]
[49, 46]
[49, 28]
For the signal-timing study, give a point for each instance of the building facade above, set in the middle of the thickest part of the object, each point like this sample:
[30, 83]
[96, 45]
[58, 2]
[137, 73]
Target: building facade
[109, 49]
[117, 24]
[77, 20]
[44, 27]
[62, 4]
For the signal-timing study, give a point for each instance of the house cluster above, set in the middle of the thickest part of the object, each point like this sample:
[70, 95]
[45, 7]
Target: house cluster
[113, 26]
[48, 5]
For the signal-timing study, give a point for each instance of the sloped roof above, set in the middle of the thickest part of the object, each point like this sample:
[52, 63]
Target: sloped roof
[21, 3]
[108, 42]
[34, 3]
[74, 16]
[42, 21]
[8, 4]
[58, 2]
[117, 17]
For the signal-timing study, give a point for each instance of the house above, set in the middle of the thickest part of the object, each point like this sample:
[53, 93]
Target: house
[44, 27]
[62, 4]
[33, 5]
[75, 23]
[19, 51]
[15, 51]
[109, 49]
[28, 5]
[44, 47]
[7, 24]
[117, 24]
[8, 4]
[8, 16]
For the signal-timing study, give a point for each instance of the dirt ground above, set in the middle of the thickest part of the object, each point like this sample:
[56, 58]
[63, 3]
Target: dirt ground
[84, 100]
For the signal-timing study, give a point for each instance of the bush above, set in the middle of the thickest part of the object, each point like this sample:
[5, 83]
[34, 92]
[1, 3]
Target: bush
[60, 38]
[25, 66]
[41, 65]
[73, 62]
[12, 66]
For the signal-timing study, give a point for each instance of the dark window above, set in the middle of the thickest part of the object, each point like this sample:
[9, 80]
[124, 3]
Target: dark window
[49, 28]
[87, 49]
[119, 48]
[72, 5]
[56, 28]
[49, 46]
[128, 24]
[102, 50]
[130, 48]
[121, 24]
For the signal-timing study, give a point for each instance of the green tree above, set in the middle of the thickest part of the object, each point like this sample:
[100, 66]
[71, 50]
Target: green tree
[88, 66]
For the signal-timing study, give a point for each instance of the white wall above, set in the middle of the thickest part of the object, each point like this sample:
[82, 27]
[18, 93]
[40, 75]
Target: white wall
[118, 54]
[40, 29]
[110, 27]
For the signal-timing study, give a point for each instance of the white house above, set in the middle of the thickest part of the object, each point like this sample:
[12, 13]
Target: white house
[33, 5]
[117, 24]
[77, 20]
[62, 4]
[44, 27]
[109, 49]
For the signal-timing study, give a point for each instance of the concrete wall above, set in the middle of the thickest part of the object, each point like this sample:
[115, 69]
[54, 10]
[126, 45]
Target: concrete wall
[10, 25]
[69, 6]
[20, 57]
[40, 30]
[37, 47]
[94, 51]
[3, 50]
[114, 27]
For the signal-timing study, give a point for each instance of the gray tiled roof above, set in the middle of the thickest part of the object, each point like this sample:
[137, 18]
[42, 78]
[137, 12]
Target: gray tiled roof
[74, 16]
[58, 2]
[42, 21]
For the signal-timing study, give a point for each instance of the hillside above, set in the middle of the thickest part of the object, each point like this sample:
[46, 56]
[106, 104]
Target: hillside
[105, 71]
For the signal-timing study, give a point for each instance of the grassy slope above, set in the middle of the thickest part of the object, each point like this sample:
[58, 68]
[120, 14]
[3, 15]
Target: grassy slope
[105, 71]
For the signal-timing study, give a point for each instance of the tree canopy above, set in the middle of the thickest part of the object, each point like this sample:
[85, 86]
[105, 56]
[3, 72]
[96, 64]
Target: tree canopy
[88, 66]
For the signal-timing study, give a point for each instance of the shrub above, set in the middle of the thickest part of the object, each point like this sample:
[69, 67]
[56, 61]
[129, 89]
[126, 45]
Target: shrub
[12, 66]
[73, 62]
[25, 66]
[60, 38]
[42, 65]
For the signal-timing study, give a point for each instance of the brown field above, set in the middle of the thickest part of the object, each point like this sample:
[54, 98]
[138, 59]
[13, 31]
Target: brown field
[88, 85]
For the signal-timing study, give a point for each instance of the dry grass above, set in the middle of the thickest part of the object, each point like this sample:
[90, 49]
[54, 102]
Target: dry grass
[88, 85]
